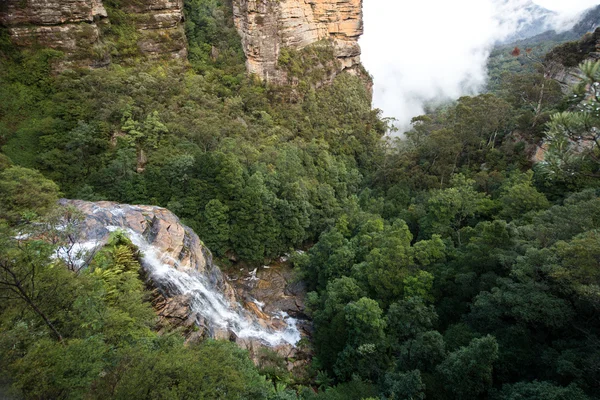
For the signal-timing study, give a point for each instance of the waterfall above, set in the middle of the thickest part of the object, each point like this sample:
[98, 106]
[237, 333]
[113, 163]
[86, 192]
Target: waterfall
[205, 299]
[177, 263]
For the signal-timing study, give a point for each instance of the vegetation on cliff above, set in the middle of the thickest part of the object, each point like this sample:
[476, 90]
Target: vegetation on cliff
[443, 265]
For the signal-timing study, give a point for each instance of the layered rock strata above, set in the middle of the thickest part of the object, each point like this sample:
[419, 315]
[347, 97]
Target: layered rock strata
[160, 26]
[267, 26]
[70, 26]
[75, 27]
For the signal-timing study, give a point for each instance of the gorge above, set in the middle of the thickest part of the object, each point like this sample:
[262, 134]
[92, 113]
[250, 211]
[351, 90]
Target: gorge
[242, 226]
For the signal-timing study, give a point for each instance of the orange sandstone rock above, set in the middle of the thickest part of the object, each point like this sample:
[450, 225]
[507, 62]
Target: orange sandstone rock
[267, 26]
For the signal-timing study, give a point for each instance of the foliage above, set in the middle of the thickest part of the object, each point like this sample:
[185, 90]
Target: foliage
[572, 136]
[171, 370]
[467, 372]
[539, 390]
[25, 194]
[75, 334]
[571, 54]
[214, 44]
[479, 264]
[442, 265]
[309, 66]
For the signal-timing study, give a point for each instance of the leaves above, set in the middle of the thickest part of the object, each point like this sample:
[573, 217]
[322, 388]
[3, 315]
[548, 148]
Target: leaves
[467, 372]
[25, 194]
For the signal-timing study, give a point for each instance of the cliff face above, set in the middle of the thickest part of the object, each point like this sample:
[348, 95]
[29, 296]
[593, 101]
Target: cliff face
[160, 27]
[77, 27]
[70, 26]
[91, 32]
[267, 26]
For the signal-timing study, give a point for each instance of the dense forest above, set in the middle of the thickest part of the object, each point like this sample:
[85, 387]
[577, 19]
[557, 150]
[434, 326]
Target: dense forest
[441, 264]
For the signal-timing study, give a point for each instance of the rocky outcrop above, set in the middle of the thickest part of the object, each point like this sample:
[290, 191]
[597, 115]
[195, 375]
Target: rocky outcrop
[567, 77]
[50, 12]
[267, 26]
[82, 30]
[179, 246]
[562, 62]
[78, 28]
[159, 24]
[70, 26]
[189, 291]
[270, 289]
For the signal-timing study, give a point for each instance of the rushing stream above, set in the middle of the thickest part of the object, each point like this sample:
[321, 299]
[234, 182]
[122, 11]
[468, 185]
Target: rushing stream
[177, 263]
[206, 300]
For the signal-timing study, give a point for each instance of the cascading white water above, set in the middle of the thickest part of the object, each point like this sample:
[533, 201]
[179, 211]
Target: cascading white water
[205, 299]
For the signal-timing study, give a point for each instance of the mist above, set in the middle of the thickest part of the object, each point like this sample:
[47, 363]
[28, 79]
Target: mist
[432, 51]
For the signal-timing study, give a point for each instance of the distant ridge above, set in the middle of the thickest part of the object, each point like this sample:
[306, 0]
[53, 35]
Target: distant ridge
[533, 19]
[531, 35]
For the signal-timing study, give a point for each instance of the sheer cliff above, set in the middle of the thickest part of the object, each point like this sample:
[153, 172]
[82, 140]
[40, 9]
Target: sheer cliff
[268, 26]
[92, 33]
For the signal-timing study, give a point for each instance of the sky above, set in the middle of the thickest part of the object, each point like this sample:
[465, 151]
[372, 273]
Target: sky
[421, 52]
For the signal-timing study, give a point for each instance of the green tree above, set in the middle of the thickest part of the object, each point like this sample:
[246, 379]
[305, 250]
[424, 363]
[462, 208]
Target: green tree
[539, 390]
[71, 157]
[254, 233]
[26, 275]
[408, 318]
[528, 302]
[403, 386]
[519, 196]
[52, 370]
[533, 93]
[212, 370]
[573, 137]
[331, 258]
[365, 347]
[449, 210]
[146, 134]
[330, 320]
[25, 194]
[419, 284]
[216, 227]
[387, 266]
[467, 372]
[423, 353]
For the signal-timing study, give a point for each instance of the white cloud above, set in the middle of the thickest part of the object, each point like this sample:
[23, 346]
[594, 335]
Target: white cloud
[566, 6]
[433, 50]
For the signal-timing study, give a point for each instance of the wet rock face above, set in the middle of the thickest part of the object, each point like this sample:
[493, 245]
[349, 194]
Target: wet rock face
[266, 26]
[163, 237]
[74, 27]
[269, 290]
[180, 246]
